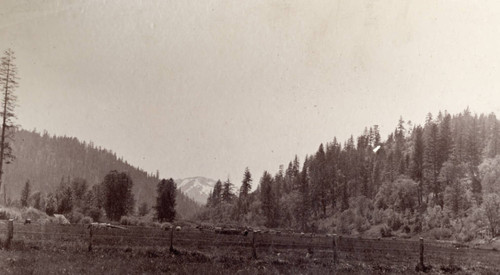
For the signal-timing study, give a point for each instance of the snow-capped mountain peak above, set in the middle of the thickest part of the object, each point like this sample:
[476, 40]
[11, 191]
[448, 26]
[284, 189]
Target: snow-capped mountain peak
[197, 188]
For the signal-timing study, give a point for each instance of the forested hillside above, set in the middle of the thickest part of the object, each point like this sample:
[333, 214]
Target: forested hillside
[441, 177]
[45, 160]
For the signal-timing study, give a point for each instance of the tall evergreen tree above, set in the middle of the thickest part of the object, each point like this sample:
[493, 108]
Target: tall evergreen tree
[267, 198]
[25, 194]
[246, 186]
[217, 194]
[117, 189]
[431, 162]
[64, 196]
[418, 161]
[473, 153]
[445, 142]
[493, 144]
[8, 84]
[227, 191]
[165, 201]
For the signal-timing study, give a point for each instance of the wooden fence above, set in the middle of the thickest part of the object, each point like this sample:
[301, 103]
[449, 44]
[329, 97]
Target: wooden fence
[137, 236]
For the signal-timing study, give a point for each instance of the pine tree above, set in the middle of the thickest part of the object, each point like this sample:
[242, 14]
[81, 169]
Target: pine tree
[318, 182]
[143, 209]
[217, 194]
[445, 142]
[227, 191]
[79, 188]
[431, 162]
[418, 161]
[36, 200]
[493, 144]
[303, 203]
[117, 190]
[25, 194]
[243, 199]
[64, 201]
[8, 84]
[267, 198]
[473, 153]
[165, 201]
[246, 184]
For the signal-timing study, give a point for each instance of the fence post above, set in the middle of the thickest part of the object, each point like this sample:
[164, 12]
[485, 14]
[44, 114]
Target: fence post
[421, 252]
[172, 239]
[90, 238]
[334, 247]
[420, 265]
[254, 251]
[10, 233]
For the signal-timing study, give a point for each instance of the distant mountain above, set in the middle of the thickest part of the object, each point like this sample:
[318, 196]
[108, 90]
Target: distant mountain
[44, 160]
[196, 188]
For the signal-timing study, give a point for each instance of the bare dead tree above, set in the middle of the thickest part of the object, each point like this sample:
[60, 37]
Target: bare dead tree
[8, 84]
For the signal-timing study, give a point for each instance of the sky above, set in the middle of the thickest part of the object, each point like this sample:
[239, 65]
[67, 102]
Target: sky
[207, 88]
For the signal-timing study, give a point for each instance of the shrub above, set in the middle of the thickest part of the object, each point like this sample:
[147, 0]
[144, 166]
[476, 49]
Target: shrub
[393, 219]
[385, 231]
[4, 215]
[417, 228]
[74, 217]
[96, 214]
[361, 223]
[86, 220]
[126, 220]
[33, 214]
[377, 216]
[406, 229]
[10, 213]
[464, 236]
[440, 233]
[345, 221]
[434, 217]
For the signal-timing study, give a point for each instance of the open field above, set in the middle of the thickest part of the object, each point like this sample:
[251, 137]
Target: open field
[63, 249]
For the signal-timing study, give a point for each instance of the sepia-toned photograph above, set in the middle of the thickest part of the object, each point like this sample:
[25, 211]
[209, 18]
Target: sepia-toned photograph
[249, 137]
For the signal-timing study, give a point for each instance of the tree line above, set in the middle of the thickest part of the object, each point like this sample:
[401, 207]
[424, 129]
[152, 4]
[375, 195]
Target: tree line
[110, 200]
[442, 174]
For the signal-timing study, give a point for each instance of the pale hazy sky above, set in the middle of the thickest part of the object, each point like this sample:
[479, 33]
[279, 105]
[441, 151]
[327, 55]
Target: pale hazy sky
[209, 87]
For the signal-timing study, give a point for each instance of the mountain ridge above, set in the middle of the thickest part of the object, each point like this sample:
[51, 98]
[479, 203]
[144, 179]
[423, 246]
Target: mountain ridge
[44, 160]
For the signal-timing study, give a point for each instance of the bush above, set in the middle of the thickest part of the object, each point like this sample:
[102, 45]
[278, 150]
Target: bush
[33, 214]
[393, 220]
[86, 220]
[417, 228]
[125, 220]
[385, 231]
[406, 229]
[96, 214]
[361, 223]
[440, 233]
[11, 213]
[434, 218]
[377, 217]
[345, 222]
[74, 217]
[4, 215]
[464, 237]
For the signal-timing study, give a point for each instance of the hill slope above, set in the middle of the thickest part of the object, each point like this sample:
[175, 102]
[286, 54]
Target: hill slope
[44, 160]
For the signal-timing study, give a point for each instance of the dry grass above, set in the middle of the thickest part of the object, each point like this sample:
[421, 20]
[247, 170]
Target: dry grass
[53, 257]
[56, 249]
